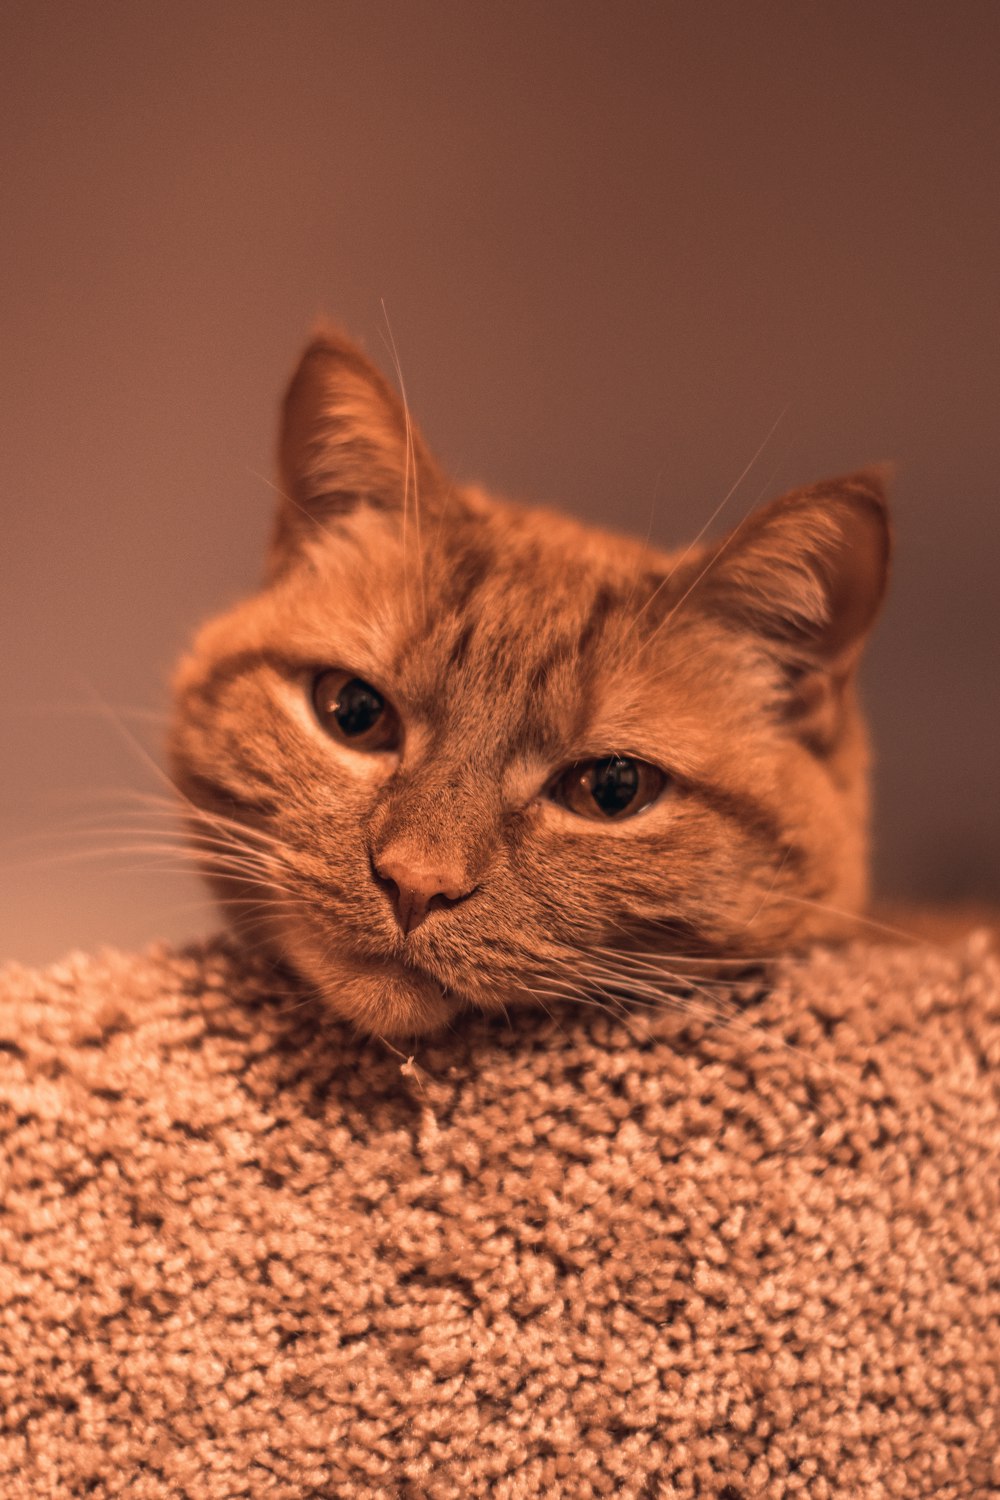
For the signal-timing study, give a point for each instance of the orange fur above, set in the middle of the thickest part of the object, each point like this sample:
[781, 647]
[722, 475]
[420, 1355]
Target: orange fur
[514, 642]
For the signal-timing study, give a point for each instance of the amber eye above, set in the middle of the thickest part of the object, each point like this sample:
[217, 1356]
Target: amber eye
[615, 787]
[354, 712]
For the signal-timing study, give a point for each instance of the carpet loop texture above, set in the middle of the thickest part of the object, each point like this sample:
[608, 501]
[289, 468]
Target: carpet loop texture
[711, 1250]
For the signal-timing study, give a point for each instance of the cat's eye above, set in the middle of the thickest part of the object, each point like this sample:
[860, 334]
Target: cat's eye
[615, 787]
[354, 712]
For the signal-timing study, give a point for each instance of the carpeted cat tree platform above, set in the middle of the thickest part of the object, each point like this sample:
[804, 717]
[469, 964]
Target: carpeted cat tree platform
[244, 1254]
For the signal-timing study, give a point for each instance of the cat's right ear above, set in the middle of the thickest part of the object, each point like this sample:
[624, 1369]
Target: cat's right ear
[346, 441]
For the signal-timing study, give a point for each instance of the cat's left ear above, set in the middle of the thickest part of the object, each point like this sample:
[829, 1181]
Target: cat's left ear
[346, 440]
[808, 572]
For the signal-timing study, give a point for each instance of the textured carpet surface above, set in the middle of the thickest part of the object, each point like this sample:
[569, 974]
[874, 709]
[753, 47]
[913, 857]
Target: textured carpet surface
[243, 1254]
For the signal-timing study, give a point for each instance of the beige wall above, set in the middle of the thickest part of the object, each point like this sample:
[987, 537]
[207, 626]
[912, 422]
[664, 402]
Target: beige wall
[615, 242]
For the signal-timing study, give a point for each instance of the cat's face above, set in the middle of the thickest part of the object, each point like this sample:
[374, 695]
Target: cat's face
[460, 752]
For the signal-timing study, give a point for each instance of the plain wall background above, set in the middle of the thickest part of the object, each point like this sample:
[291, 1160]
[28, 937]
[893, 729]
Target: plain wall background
[615, 242]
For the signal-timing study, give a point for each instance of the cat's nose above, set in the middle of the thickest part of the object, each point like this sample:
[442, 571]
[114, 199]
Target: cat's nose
[417, 886]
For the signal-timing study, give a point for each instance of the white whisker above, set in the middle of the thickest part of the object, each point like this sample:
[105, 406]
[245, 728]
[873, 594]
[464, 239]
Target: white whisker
[664, 582]
[410, 474]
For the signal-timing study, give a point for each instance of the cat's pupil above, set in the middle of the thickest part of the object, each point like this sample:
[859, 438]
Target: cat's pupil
[613, 784]
[359, 707]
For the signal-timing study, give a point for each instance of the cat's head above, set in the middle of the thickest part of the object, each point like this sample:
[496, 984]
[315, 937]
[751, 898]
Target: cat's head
[461, 752]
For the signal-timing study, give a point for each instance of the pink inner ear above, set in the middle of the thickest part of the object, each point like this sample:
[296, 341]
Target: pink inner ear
[343, 431]
[809, 570]
[346, 441]
[855, 574]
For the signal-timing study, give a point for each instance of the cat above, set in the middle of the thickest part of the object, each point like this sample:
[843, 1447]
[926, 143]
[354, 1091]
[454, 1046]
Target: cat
[460, 753]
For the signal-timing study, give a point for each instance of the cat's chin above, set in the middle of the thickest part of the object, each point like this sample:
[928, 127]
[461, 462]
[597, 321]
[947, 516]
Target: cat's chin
[394, 1003]
[385, 1000]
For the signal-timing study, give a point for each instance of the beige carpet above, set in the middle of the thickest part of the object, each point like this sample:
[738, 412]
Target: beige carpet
[243, 1254]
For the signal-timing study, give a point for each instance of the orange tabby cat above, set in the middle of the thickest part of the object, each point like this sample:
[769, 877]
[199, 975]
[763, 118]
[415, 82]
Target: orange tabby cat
[458, 752]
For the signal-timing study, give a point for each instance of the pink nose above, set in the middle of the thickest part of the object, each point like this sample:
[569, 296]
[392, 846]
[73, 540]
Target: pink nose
[417, 887]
